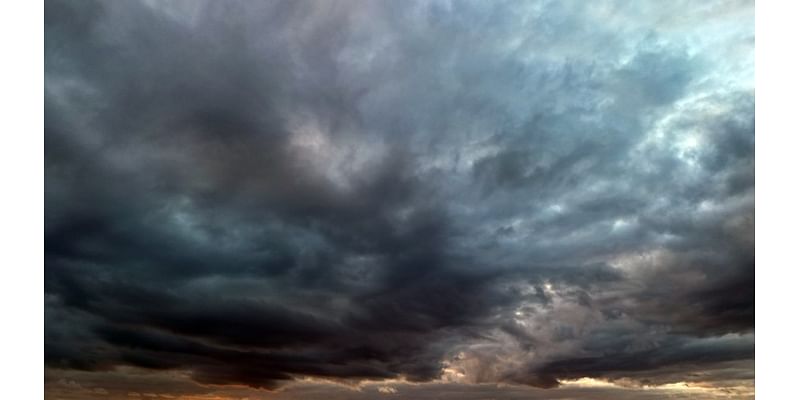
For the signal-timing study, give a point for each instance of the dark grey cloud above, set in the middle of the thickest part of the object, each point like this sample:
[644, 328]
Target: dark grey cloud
[487, 193]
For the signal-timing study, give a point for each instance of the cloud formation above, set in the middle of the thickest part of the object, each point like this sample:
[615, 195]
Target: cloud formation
[436, 193]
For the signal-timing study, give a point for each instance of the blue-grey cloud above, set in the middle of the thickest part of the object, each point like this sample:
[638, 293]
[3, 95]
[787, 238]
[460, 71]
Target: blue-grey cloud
[463, 192]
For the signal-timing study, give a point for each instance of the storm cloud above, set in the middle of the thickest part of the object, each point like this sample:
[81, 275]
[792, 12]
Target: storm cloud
[444, 194]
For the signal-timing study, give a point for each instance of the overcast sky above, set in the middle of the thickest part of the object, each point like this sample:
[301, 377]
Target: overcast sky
[399, 199]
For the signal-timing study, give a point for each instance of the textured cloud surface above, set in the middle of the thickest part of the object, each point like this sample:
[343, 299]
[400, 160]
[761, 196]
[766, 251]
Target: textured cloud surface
[351, 199]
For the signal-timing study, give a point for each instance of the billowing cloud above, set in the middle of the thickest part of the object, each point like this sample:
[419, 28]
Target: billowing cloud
[415, 195]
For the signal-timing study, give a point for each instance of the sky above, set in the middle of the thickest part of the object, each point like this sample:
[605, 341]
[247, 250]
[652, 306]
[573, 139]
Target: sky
[399, 199]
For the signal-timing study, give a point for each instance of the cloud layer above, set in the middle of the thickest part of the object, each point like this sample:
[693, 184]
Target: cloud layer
[457, 193]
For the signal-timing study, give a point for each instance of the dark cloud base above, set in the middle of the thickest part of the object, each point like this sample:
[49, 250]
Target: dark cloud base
[256, 193]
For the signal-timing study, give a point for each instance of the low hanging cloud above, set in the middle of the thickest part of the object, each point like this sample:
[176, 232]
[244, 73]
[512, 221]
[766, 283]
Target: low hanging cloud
[435, 193]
